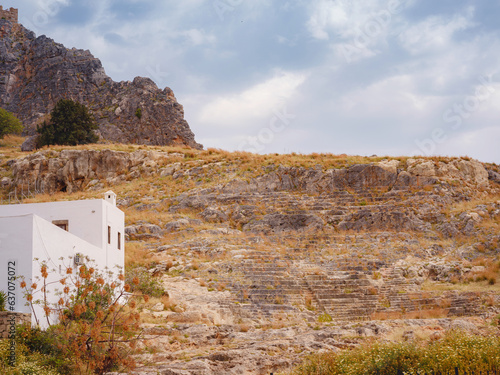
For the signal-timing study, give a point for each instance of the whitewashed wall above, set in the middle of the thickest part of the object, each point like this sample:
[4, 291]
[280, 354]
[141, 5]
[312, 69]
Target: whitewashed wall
[27, 232]
[85, 217]
[16, 244]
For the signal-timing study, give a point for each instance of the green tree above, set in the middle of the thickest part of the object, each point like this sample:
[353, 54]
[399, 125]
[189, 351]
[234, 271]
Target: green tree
[9, 124]
[70, 124]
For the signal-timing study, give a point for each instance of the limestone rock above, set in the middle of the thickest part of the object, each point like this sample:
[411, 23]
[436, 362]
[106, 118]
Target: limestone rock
[494, 176]
[74, 170]
[5, 182]
[29, 144]
[469, 171]
[282, 223]
[381, 219]
[390, 166]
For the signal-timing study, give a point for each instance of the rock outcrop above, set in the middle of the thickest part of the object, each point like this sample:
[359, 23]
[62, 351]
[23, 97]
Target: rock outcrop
[362, 197]
[72, 170]
[36, 72]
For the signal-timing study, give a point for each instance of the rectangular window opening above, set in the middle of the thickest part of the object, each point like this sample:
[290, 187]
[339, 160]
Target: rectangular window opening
[109, 234]
[63, 224]
[119, 241]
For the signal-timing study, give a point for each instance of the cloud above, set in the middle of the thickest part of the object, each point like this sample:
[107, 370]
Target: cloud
[481, 144]
[198, 37]
[253, 103]
[346, 19]
[356, 30]
[435, 34]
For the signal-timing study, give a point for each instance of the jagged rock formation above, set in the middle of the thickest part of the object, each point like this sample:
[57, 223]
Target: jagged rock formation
[72, 170]
[36, 72]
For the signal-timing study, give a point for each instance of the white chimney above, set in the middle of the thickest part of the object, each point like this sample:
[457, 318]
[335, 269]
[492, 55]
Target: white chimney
[110, 197]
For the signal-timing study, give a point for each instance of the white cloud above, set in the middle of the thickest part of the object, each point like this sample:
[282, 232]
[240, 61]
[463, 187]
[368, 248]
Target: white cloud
[326, 17]
[481, 144]
[256, 102]
[198, 37]
[356, 30]
[394, 97]
[347, 19]
[435, 33]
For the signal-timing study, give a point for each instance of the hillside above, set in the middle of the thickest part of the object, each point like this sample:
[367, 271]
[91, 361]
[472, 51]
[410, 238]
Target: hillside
[36, 72]
[267, 258]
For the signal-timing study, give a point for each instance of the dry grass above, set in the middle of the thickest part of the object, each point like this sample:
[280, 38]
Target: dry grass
[482, 286]
[244, 327]
[432, 313]
[466, 206]
[136, 254]
[10, 147]
[490, 273]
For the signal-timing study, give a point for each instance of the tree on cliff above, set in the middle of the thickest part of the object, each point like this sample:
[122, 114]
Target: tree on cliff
[9, 124]
[70, 124]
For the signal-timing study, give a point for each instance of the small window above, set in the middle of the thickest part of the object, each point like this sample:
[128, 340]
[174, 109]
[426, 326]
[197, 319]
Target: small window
[63, 224]
[119, 241]
[109, 234]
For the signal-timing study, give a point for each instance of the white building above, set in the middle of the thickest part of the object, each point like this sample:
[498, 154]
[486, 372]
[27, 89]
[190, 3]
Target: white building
[55, 230]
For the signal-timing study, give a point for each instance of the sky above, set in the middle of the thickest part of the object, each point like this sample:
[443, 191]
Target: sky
[357, 77]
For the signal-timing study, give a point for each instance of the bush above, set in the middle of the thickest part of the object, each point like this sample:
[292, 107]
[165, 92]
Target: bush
[325, 318]
[140, 280]
[9, 124]
[3, 300]
[468, 353]
[98, 322]
[70, 124]
[26, 363]
[45, 343]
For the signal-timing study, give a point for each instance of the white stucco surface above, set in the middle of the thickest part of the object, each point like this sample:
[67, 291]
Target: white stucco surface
[28, 237]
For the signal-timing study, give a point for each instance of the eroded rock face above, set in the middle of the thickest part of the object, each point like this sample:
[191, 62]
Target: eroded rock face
[37, 72]
[383, 219]
[363, 197]
[461, 169]
[72, 170]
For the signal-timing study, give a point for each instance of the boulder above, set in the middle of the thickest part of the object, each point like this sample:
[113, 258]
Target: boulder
[283, 222]
[30, 143]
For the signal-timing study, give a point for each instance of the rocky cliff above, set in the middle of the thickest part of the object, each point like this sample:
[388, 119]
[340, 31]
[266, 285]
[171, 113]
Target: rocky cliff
[36, 72]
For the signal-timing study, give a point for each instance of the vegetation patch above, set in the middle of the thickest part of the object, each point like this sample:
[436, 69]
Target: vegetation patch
[457, 350]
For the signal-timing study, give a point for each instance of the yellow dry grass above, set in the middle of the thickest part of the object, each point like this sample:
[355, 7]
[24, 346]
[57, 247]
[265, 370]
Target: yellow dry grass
[481, 286]
[467, 206]
[432, 313]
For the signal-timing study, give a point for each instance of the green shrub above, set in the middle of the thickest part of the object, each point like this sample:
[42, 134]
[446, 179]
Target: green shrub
[140, 280]
[45, 344]
[26, 363]
[70, 124]
[468, 353]
[3, 300]
[138, 113]
[325, 318]
[9, 124]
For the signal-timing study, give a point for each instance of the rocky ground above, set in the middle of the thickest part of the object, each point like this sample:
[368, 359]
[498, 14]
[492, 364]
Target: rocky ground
[269, 258]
